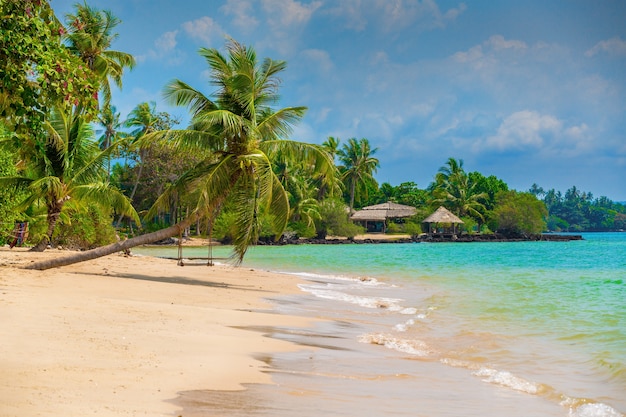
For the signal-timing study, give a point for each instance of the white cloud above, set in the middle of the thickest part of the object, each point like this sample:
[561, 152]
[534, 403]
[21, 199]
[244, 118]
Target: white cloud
[320, 58]
[286, 13]
[164, 49]
[543, 134]
[394, 15]
[614, 46]
[243, 15]
[497, 43]
[523, 130]
[398, 14]
[352, 12]
[286, 20]
[166, 42]
[205, 29]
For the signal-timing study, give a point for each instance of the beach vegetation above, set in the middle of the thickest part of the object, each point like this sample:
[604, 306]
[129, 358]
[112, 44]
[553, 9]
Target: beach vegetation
[454, 189]
[89, 35]
[65, 166]
[335, 220]
[357, 168]
[518, 214]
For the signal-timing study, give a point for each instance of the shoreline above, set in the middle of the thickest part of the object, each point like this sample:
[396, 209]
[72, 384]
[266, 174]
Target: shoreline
[124, 335]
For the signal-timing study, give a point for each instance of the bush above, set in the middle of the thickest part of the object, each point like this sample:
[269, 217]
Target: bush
[334, 220]
[85, 229]
[413, 229]
[519, 213]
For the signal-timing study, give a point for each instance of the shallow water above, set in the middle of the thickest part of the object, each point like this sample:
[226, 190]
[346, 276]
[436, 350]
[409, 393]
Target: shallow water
[484, 329]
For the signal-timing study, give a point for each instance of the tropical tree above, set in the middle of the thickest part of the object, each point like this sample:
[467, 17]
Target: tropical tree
[109, 121]
[90, 35]
[66, 166]
[519, 213]
[454, 190]
[243, 131]
[145, 119]
[358, 166]
[331, 145]
[36, 70]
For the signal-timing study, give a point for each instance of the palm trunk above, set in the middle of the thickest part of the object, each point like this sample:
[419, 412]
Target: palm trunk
[114, 247]
[134, 191]
[54, 212]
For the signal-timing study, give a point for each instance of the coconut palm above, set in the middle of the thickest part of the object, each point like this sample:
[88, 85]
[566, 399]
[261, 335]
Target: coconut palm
[90, 35]
[453, 189]
[145, 120]
[358, 166]
[243, 131]
[109, 121]
[66, 166]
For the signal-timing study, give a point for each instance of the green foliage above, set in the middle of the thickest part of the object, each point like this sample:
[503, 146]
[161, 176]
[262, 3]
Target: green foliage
[36, 69]
[518, 213]
[87, 229]
[10, 196]
[335, 221]
[358, 168]
[413, 229]
[577, 211]
[454, 189]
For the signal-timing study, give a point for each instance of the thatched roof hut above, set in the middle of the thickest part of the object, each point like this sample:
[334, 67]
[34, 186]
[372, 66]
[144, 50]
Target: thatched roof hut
[380, 213]
[442, 216]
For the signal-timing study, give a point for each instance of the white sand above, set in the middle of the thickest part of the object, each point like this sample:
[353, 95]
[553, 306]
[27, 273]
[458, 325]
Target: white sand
[121, 336]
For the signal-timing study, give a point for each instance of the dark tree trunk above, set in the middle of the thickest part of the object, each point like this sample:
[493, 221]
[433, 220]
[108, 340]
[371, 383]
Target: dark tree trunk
[114, 247]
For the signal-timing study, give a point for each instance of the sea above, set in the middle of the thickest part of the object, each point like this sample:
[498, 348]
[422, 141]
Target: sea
[440, 329]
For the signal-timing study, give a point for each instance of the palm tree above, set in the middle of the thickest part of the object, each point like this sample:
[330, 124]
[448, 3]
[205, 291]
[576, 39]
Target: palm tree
[453, 189]
[331, 145]
[109, 120]
[242, 131]
[90, 35]
[358, 166]
[145, 119]
[66, 166]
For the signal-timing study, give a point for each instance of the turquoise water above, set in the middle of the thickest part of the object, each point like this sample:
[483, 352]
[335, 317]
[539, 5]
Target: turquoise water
[542, 321]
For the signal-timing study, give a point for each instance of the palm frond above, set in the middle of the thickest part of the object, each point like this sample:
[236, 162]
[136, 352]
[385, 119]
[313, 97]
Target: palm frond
[180, 93]
[103, 194]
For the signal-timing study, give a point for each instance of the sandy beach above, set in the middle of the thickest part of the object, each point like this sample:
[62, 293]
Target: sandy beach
[122, 335]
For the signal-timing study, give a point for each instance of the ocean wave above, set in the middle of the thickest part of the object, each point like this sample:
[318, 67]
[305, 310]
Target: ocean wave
[411, 346]
[589, 409]
[361, 280]
[368, 302]
[507, 379]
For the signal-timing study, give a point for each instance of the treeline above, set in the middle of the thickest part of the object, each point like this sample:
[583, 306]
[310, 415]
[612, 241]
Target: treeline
[82, 176]
[577, 211]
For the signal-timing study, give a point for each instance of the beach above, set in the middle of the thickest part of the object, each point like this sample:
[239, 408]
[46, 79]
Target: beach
[124, 335]
[429, 330]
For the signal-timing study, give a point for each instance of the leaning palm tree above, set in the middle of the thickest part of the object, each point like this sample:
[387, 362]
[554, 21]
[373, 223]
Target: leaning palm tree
[67, 165]
[358, 165]
[90, 35]
[241, 130]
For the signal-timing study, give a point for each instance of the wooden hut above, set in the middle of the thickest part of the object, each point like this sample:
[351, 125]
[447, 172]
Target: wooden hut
[375, 218]
[442, 217]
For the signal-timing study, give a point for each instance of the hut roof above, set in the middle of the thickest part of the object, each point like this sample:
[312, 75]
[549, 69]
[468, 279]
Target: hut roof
[442, 215]
[382, 212]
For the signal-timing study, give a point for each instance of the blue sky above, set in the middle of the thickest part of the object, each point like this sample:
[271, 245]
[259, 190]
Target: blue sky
[531, 91]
